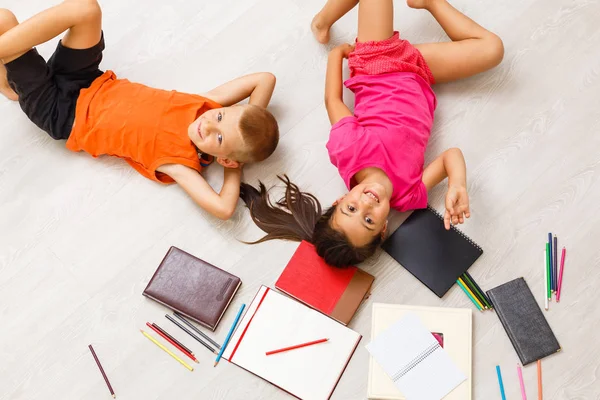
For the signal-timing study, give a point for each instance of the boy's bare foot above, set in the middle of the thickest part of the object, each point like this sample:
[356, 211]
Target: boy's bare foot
[419, 3]
[320, 31]
[8, 92]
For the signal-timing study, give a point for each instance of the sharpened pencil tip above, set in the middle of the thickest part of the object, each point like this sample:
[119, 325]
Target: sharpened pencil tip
[215, 364]
[114, 397]
[197, 362]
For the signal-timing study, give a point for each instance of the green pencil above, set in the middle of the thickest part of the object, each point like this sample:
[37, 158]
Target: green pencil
[476, 289]
[548, 270]
[469, 294]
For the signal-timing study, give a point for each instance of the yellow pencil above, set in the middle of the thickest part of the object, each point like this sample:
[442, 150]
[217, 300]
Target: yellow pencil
[167, 350]
[471, 293]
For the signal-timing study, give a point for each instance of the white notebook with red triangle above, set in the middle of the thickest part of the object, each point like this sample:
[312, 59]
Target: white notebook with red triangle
[274, 321]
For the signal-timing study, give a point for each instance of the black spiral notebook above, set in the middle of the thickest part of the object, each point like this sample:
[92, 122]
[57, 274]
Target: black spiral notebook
[435, 256]
[523, 321]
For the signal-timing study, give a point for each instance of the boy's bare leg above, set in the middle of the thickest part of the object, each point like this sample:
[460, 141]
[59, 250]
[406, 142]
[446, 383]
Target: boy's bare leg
[329, 14]
[5, 89]
[473, 49]
[82, 19]
[7, 22]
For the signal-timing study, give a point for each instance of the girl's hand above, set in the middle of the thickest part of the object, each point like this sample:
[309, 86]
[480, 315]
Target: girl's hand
[343, 49]
[457, 206]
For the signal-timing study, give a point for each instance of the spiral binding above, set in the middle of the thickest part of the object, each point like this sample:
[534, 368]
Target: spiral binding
[454, 228]
[416, 361]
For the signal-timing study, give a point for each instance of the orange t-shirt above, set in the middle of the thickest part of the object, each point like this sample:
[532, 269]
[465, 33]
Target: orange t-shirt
[147, 127]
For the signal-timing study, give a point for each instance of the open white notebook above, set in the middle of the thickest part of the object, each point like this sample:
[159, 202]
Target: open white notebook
[275, 321]
[394, 351]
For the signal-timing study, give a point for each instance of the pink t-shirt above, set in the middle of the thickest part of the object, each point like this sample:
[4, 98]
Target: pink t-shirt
[392, 121]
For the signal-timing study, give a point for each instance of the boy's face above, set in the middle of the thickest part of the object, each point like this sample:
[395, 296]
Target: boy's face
[216, 132]
[362, 213]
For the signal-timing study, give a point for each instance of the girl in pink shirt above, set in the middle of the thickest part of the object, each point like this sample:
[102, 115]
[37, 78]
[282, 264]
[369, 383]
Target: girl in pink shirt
[379, 149]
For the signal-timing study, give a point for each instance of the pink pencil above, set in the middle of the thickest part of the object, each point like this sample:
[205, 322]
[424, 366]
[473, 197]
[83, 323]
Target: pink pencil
[560, 274]
[520, 373]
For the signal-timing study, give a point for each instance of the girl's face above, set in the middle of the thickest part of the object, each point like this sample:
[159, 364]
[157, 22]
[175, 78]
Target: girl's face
[362, 213]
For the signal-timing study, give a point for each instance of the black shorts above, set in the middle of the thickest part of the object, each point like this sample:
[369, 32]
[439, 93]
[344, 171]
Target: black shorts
[48, 92]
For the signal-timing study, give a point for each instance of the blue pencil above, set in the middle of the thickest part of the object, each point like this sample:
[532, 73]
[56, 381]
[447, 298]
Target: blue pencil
[500, 382]
[226, 342]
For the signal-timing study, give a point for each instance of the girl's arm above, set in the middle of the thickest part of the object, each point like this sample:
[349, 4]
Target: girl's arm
[334, 102]
[259, 87]
[450, 164]
[222, 204]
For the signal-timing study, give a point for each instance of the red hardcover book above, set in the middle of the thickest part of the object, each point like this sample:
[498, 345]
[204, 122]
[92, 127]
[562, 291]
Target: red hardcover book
[336, 292]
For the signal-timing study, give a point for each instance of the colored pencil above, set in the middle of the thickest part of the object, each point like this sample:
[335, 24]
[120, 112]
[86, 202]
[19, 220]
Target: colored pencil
[500, 382]
[555, 264]
[172, 342]
[474, 283]
[112, 392]
[268, 353]
[560, 274]
[550, 255]
[546, 278]
[169, 352]
[539, 374]
[226, 342]
[172, 338]
[481, 304]
[198, 331]
[477, 290]
[521, 383]
[186, 330]
[548, 269]
[473, 292]
[469, 295]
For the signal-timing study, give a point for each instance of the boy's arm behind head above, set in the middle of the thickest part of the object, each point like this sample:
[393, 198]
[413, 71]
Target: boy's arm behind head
[259, 87]
[221, 205]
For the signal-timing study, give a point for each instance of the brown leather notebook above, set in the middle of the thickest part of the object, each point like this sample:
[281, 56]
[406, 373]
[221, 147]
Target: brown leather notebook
[336, 292]
[192, 287]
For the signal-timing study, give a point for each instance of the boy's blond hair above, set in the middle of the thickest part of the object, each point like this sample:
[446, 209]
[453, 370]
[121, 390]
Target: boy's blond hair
[260, 133]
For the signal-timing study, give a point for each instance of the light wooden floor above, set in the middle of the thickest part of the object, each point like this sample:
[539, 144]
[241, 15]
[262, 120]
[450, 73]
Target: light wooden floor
[80, 238]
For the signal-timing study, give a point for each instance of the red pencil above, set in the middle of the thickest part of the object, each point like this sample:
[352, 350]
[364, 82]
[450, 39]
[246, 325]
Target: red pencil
[172, 342]
[296, 346]
[560, 273]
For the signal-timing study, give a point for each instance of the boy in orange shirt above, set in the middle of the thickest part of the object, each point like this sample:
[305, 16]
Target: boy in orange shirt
[167, 136]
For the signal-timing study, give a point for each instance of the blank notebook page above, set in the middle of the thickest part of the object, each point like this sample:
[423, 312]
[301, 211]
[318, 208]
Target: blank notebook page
[310, 372]
[412, 357]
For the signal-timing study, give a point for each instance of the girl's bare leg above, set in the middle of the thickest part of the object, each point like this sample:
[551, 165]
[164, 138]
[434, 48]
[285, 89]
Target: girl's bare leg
[473, 49]
[375, 20]
[331, 12]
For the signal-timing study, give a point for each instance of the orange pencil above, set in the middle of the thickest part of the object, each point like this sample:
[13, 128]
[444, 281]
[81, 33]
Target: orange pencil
[539, 369]
[296, 346]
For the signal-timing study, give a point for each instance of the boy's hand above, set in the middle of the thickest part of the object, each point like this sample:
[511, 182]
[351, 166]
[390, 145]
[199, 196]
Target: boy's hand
[343, 50]
[457, 206]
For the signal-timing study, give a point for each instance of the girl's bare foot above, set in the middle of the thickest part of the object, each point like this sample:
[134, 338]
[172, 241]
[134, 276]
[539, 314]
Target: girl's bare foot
[320, 30]
[8, 92]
